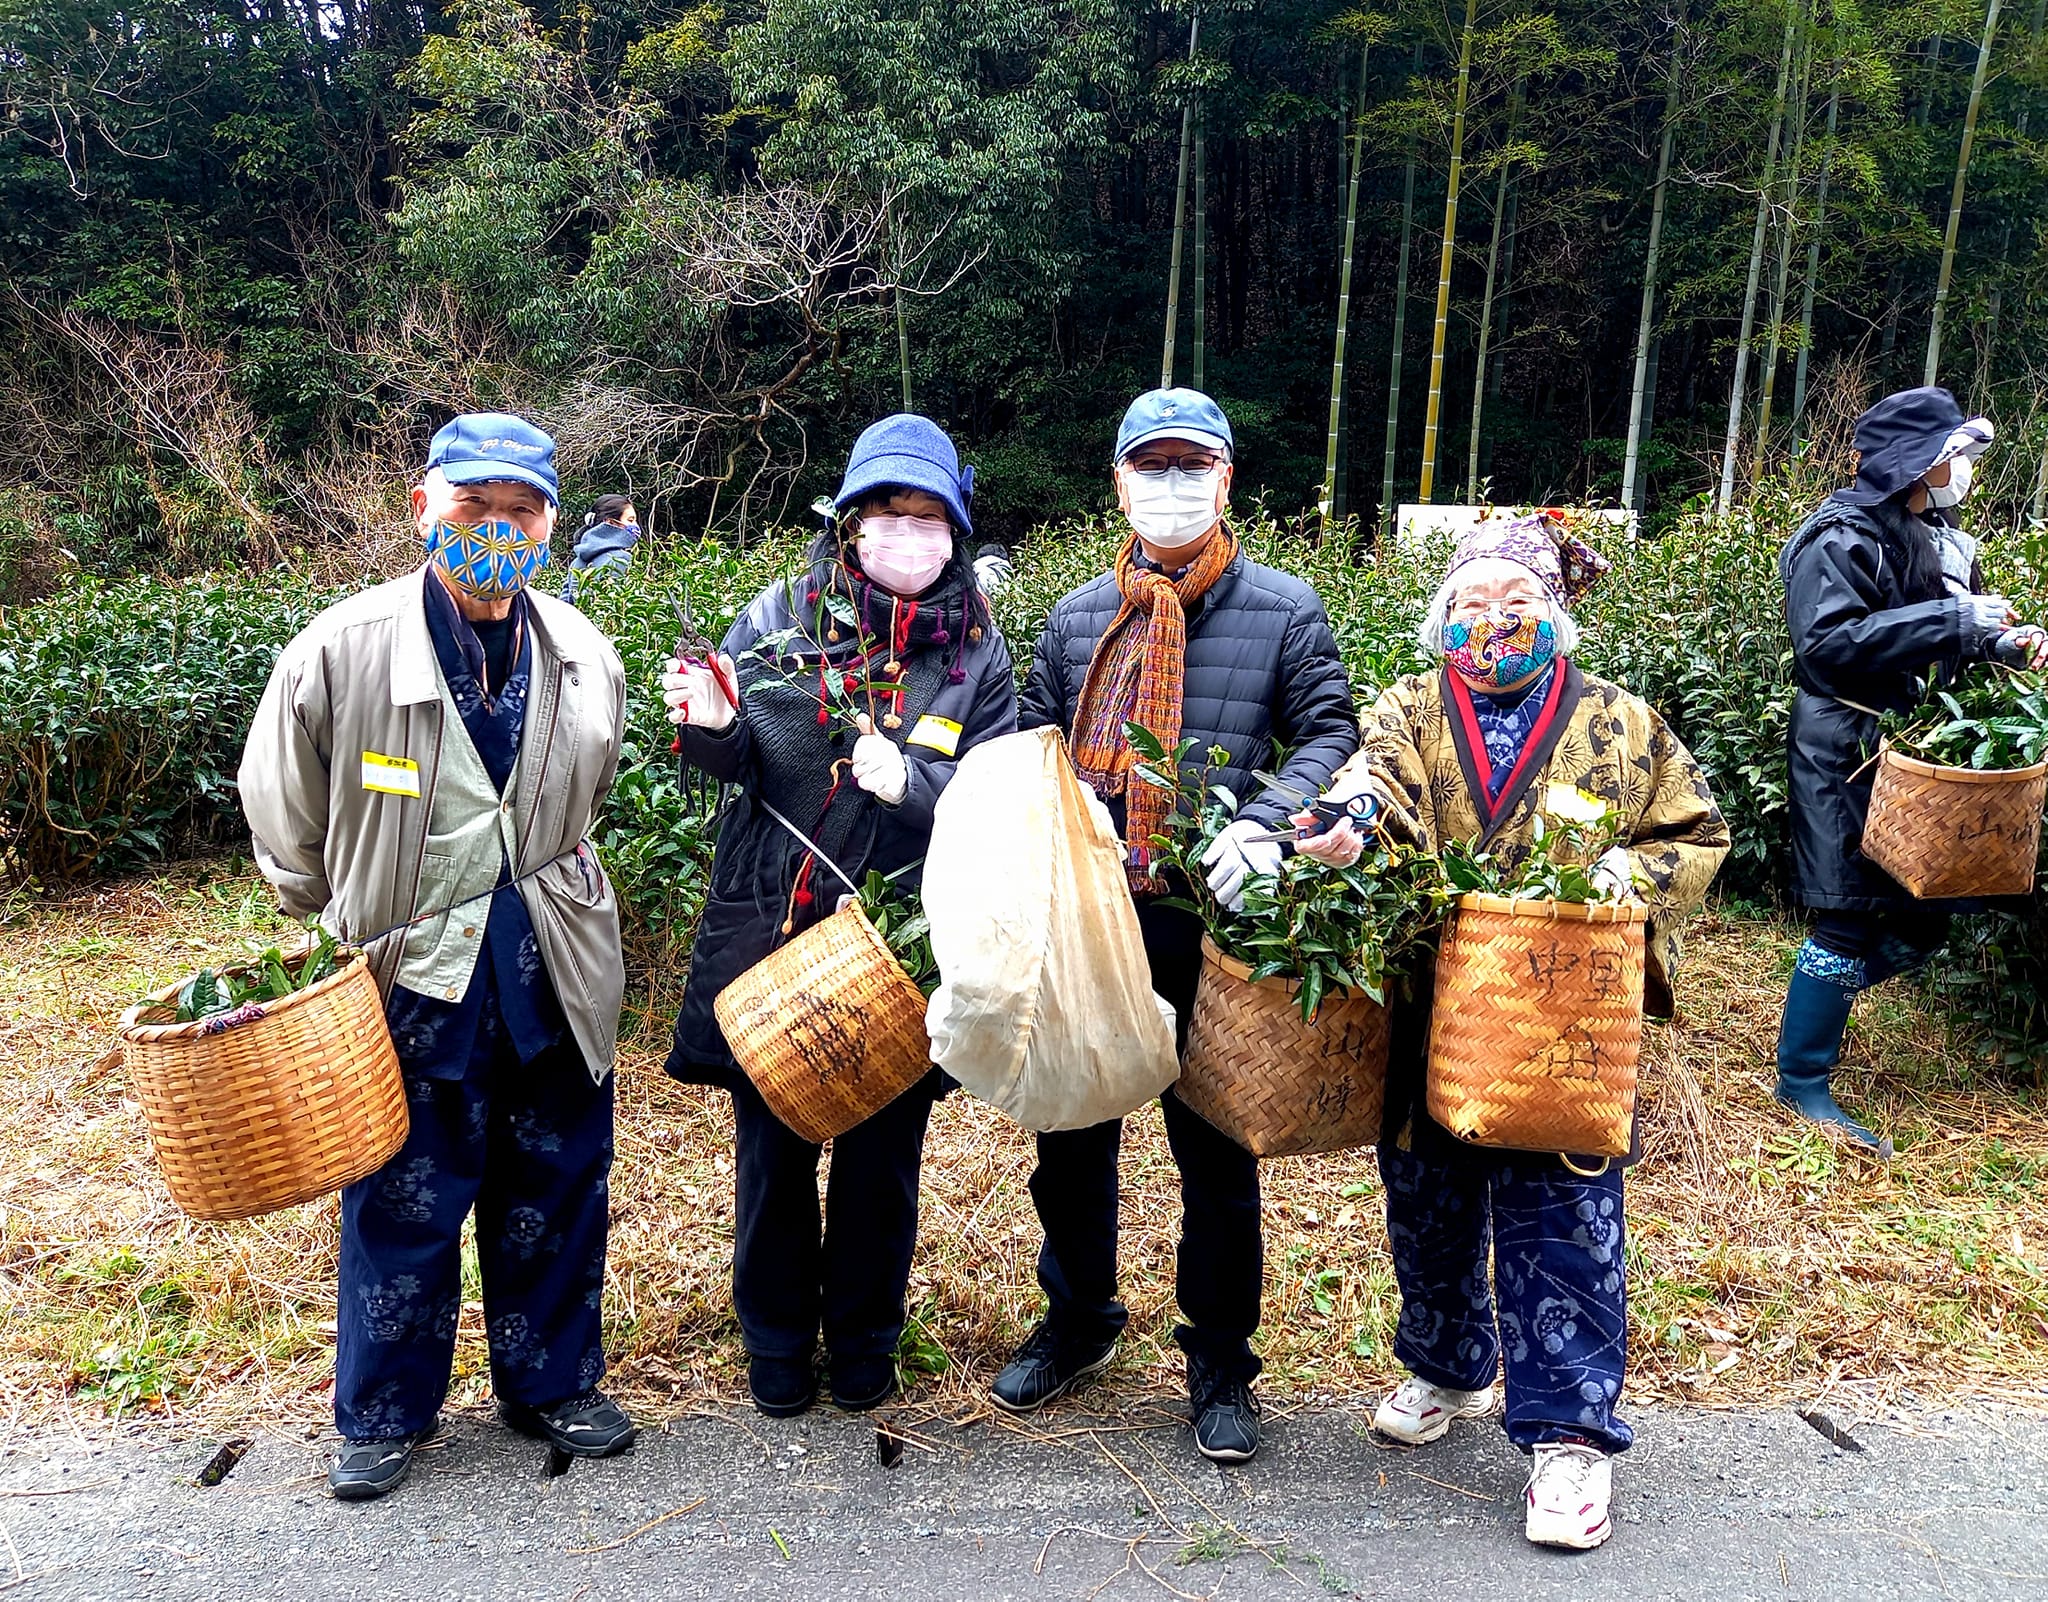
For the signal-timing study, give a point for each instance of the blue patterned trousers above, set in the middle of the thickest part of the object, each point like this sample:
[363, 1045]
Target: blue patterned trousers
[1555, 1306]
[530, 1149]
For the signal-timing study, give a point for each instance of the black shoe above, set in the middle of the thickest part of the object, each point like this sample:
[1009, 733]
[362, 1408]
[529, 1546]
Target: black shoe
[862, 1383]
[366, 1469]
[1047, 1365]
[782, 1387]
[1224, 1412]
[590, 1425]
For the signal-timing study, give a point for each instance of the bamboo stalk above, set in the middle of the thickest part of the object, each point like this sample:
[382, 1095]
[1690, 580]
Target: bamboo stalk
[1787, 227]
[1201, 245]
[1820, 217]
[1400, 326]
[1500, 207]
[902, 317]
[1645, 318]
[1955, 200]
[1426, 491]
[1756, 263]
[1330, 509]
[1180, 216]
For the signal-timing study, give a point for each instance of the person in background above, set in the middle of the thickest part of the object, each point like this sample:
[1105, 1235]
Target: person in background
[423, 771]
[1885, 602]
[1190, 638]
[611, 528]
[1472, 752]
[888, 597]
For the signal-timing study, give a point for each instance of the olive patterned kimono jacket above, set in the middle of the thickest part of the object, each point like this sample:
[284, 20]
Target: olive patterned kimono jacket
[1423, 747]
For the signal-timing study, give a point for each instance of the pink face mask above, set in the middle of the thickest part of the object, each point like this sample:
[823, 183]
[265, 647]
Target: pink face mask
[904, 554]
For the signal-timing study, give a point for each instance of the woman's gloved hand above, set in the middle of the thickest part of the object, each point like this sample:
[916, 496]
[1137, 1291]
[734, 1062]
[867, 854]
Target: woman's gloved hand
[879, 766]
[2025, 646]
[1338, 846]
[694, 696]
[1233, 857]
[1615, 873]
[1985, 618]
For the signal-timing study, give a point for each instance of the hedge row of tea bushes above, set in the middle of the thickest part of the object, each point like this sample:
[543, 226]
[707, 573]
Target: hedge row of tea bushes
[122, 707]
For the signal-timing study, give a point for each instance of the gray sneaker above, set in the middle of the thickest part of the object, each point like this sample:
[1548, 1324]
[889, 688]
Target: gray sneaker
[365, 1470]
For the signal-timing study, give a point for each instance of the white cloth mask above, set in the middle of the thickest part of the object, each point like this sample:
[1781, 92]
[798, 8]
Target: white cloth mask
[1173, 508]
[1958, 485]
[904, 554]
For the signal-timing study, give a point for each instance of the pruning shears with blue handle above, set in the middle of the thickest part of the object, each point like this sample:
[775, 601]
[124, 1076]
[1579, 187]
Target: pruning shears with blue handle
[1361, 811]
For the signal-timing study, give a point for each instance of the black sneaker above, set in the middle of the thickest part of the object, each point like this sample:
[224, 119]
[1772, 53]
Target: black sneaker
[782, 1387]
[862, 1383]
[1047, 1365]
[1224, 1412]
[589, 1425]
[364, 1470]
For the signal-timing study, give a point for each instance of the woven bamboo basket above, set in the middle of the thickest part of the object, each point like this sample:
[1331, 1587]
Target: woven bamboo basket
[290, 1100]
[1945, 832]
[1272, 1083]
[1537, 1025]
[829, 1027]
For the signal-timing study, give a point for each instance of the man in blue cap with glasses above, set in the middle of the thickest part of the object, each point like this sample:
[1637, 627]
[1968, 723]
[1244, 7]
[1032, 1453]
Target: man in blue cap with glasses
[1191, 639]
[421, 777]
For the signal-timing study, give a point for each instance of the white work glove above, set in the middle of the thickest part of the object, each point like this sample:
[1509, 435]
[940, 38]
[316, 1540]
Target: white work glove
[1233, 857]
[991, 571]
[693, 695]
[2024, 647]
[1614, 873]
[878, 764]
[1985, 618]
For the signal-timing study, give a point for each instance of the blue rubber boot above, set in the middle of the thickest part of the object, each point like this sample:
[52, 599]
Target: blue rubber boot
[1817, 1004]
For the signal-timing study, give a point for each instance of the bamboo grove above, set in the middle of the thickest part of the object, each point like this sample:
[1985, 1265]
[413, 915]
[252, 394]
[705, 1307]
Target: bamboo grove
[1447, 251]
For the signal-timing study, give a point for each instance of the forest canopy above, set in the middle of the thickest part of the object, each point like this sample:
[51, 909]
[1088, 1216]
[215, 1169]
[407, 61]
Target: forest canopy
[256, 252]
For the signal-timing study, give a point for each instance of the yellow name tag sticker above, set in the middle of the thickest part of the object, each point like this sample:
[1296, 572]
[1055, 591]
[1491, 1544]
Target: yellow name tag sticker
[389, 775]
[941, 734]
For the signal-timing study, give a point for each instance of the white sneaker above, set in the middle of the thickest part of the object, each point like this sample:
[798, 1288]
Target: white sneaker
[1568, 1494]
[1419, 1412]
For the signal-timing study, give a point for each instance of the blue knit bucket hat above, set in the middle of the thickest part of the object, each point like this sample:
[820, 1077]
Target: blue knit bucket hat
[909, 452]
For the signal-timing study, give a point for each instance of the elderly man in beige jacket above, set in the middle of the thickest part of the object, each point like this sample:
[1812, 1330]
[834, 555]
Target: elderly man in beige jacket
[423, 772]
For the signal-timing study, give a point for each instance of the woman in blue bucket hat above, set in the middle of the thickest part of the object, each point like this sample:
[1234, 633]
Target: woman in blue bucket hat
[842, 700]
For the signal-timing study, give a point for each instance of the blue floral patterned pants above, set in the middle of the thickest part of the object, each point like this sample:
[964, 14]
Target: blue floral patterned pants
[530, 1148]
[1556, 1307]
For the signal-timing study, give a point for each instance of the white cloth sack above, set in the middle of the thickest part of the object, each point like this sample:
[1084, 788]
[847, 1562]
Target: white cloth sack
[1045, 1006]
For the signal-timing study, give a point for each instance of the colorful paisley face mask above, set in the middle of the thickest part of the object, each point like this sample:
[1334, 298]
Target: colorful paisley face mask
[1499, 649]
[490, 561]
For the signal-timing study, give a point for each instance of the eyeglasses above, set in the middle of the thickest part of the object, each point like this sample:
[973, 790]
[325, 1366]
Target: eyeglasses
[1152, 463]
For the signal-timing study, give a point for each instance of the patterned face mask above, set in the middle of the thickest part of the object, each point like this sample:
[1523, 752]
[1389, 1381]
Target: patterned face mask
[490, 561]
[1498, 649]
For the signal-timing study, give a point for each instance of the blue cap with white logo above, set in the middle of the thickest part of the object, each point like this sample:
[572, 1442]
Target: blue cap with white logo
[1174, 414]
[480, 446]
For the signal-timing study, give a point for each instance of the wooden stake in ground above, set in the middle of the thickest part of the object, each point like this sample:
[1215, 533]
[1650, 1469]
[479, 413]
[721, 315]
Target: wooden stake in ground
[1955, 199]
[1645, 319]
[1180, 217]
[1426, 491]
[1756, 266]
[1330, 508]
[1400, 326]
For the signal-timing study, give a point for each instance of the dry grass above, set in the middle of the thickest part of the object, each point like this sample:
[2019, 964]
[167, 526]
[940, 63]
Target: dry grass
[1767, 1262]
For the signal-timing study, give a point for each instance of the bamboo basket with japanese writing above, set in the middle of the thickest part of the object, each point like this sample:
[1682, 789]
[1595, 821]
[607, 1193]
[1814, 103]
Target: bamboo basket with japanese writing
[828, 1027]
[1270, 1081]
[1538, 1024]
[273, 1104]
[1944, 832]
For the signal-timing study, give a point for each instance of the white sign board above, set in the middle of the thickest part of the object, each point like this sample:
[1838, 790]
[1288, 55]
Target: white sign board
[1416, 525]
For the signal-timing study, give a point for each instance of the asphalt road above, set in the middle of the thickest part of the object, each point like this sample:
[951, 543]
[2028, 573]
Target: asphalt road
[1725, 1506]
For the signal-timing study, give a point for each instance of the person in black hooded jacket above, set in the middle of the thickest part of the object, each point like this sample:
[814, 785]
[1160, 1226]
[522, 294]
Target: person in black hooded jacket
[1884, 601]
[889, 596]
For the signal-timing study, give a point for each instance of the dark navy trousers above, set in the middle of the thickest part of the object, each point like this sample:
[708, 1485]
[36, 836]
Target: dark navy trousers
[789, 1275]
[1220, 1267]
[529, 1147]
[1556, 1305]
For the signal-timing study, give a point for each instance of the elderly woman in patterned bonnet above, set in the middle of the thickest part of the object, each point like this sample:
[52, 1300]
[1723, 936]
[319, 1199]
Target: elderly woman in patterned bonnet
[1470, 751]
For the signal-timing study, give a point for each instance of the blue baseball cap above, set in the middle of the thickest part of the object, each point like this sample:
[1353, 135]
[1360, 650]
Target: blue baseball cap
[909, 452]
[1174, 414]
[479, 446]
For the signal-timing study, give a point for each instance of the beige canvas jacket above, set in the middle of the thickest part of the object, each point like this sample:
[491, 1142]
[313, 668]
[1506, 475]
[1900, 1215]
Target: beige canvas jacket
[362, 683]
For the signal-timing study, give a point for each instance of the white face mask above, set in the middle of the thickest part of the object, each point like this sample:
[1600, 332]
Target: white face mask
[1173, 508]
[1958, 485]
[904, 554]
